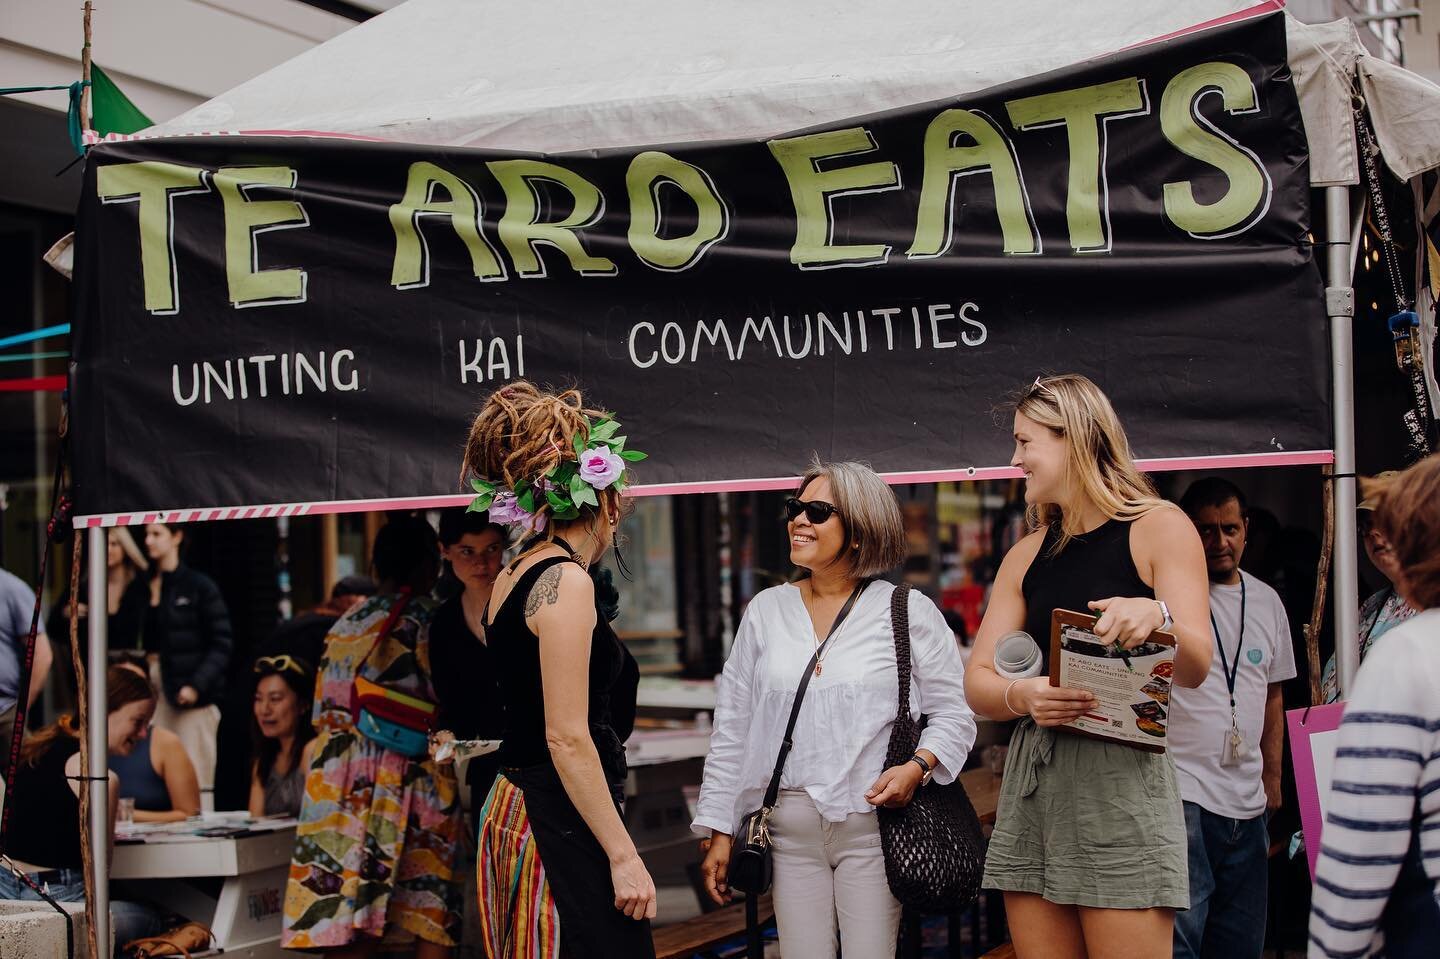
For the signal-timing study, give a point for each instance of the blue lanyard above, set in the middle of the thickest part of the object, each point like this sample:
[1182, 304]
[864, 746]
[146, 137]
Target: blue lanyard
[1233, 668]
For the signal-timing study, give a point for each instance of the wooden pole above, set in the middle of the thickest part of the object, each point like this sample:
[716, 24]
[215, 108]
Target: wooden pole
[85, 71]
[1322, 578]
[373, 522]
[87, 856]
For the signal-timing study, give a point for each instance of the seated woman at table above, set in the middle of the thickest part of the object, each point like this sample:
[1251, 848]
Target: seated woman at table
[44, 836]
[282, 735]
[845, 532]
[379, 830]
[155, 771]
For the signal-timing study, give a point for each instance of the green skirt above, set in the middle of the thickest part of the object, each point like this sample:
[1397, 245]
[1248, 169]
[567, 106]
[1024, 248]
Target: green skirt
[1088, 823]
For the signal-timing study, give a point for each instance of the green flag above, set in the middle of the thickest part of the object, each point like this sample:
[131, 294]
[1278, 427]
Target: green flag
[111, 110]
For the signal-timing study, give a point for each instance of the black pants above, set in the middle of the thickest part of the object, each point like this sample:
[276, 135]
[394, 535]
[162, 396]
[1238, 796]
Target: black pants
[578, 870]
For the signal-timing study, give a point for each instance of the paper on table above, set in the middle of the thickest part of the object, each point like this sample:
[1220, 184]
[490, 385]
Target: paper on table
[459, 749]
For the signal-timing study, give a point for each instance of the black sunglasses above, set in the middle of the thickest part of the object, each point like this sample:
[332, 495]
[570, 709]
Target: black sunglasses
[817, 511]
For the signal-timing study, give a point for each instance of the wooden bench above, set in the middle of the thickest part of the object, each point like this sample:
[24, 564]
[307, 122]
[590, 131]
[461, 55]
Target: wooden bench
[682, 940]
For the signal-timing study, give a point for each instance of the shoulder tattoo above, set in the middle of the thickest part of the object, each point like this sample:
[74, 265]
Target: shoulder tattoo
[546, 590]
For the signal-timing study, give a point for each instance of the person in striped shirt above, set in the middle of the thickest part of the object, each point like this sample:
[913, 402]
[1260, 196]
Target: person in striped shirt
[1377, 881]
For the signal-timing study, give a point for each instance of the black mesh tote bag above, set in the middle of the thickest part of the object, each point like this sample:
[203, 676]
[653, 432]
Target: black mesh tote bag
[934, 849]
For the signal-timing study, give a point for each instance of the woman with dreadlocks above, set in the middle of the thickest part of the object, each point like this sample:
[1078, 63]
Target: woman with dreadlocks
[555, 861]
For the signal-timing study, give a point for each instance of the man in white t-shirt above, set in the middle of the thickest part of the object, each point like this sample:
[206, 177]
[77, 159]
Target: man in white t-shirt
[1226, 738]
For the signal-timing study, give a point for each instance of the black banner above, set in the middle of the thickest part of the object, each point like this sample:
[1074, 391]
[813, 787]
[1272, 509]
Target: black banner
[272, 320]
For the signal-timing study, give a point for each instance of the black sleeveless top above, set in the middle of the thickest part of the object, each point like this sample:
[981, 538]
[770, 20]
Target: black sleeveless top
[1094, 565]
[614, 677]
[44, 810]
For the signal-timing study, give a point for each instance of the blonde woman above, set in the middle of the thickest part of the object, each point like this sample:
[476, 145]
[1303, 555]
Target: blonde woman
[1089, 844]
[829, 873]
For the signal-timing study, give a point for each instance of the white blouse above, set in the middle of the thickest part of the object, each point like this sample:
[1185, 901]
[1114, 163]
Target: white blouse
[843, 730]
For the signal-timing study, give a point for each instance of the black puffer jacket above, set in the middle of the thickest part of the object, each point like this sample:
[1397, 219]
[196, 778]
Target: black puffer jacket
[190, 629]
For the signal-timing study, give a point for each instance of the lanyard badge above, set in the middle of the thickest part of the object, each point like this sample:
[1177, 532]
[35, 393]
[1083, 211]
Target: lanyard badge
[1234, 750]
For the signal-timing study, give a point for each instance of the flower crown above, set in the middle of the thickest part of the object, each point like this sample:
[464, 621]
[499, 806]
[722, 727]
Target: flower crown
[569, 485]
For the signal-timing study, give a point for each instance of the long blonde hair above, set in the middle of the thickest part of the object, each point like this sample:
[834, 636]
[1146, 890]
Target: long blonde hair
[1098, 463]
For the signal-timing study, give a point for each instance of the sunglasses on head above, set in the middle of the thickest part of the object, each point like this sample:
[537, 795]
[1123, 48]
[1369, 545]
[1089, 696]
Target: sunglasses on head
[284, 663]
[817, 511]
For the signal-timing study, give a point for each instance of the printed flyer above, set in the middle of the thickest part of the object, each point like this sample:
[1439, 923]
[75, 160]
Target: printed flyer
[1131, 687]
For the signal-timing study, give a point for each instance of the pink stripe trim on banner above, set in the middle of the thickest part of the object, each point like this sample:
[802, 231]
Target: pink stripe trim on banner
[1260, 9]
[968, 474]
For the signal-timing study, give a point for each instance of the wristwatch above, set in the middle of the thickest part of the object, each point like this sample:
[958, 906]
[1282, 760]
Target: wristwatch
[1165, 611]
[920, 760]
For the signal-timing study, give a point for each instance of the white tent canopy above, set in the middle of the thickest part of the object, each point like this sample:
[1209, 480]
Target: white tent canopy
[574, 76]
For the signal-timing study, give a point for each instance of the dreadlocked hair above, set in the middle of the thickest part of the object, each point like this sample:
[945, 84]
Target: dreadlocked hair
[523, 432]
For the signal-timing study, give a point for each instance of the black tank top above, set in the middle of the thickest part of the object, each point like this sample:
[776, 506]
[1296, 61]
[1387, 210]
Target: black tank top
[614, 677]
[44, 810]
[1094, 565]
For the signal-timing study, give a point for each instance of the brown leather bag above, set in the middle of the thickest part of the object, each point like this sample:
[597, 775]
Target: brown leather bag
[180, 941]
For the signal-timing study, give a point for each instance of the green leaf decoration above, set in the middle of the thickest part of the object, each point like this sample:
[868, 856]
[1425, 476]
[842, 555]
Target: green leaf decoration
[585, 496]
[579, 446]
[481, 503]
[480, 486]
[604, 431]
[557, 502]
[526, 500]
[319, 909]
[335, 747]
[616, 444]
[633, 456]
[560, 475]
[577, 483]
[568, 513]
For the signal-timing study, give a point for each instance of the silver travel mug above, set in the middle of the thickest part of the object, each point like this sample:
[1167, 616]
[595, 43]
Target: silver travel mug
[1017, 655]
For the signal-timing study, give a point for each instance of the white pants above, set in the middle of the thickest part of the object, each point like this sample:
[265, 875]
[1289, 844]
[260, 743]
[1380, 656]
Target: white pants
[196, 728]
[830, 875]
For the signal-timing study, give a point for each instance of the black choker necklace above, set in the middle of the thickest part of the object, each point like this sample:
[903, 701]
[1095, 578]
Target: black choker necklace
[584, 564]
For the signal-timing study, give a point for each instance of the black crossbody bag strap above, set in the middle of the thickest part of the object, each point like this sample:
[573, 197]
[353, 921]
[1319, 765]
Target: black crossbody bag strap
[773, 792]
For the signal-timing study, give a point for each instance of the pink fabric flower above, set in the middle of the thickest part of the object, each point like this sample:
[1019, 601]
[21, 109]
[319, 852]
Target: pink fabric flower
[505, 509]
[600, 467]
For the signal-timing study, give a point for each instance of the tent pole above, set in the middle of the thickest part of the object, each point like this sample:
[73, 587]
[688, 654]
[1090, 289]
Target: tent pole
[99, 746]
[1340, 305]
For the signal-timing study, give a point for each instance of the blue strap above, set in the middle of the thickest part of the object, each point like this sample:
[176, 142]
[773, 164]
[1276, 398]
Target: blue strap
[1231, 669]
[40, 334]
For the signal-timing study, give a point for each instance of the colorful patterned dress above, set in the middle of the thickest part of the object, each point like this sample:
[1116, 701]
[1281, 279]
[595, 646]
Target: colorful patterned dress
[379, 832]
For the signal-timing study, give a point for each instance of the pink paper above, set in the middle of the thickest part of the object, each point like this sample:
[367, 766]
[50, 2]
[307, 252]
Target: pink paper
[1313, 732]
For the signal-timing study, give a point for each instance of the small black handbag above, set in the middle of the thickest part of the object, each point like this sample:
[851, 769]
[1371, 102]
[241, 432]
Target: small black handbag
[934, 848]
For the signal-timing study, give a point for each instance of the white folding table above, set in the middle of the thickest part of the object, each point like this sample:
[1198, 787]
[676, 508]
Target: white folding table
[246, 915]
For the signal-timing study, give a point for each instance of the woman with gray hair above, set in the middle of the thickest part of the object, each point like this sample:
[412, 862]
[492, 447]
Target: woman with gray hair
[829, 872]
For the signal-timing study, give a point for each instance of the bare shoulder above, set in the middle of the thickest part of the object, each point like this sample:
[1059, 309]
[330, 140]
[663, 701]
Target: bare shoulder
[1160, 527]
[166, 748]
[561, 584]
[1019, 557]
